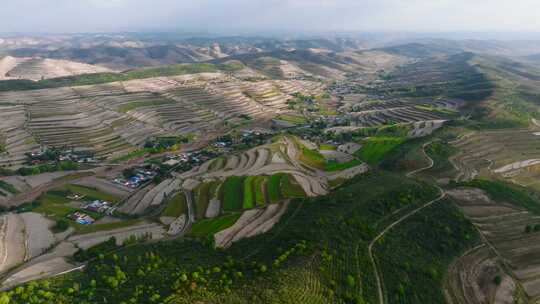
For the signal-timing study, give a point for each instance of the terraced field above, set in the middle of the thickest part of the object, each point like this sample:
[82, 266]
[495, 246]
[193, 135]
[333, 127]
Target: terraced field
[42, 68]
[16, 140]
[509, 247]
[506, 154]
[255, 184]
[114, 119]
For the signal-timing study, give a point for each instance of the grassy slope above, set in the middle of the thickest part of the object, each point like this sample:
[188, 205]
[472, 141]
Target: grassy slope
[209, 227]
[514, 101]
[374, 149]
[249, 194]
[233, 189]
[92, 193]
[176, 206]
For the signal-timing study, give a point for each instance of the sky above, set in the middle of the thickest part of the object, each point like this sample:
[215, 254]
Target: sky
[68, 16]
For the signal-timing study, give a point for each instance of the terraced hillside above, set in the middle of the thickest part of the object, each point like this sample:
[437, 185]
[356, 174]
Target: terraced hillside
[250, 183]
[508, 252]
[506, 154]
[115, 118]
[16, 140]
[40, 68]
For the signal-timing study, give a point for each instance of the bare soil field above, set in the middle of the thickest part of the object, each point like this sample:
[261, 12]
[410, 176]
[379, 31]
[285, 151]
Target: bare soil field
[503, 229]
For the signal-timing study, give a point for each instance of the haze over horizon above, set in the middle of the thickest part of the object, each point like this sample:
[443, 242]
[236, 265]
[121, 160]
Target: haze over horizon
[39, 16]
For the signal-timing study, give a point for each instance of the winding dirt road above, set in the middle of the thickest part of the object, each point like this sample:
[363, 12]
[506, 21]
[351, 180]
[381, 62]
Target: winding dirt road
[442, 194]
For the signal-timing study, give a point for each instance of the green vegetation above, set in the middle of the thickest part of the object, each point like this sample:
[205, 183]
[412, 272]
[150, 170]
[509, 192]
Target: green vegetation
[295, 119]
[2, 142]
[273, 188]
[248, 192]
[326, 147]
[209, 227]
[503, 192]
[91, 193]
[176, 206]
[83, 229]
[414, 258]
[100, 78]
[96, 251]
[259, 183]
[233, 190]
[290, 188]
[232, 66]
[282, 186]
[331, 232]
[202, 198]
[440, 152]
[53, 205]
[514, 101]
[374, 149]
[311, 157]
[335, 166]
[130, 155]
[8, 187]
[139, 104]
[45, 168]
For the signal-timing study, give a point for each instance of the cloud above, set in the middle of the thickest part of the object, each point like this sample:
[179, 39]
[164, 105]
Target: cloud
[211, 15]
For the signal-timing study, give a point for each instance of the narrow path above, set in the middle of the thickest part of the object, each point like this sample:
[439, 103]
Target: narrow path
[442, 194]
[388, 228]
[430, 160]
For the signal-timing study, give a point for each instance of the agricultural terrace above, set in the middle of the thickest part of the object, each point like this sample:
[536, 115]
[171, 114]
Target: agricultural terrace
[506, 216]
[506, 154]
[116, 118]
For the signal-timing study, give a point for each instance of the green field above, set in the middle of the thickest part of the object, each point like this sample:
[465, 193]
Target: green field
[249, 195]
[290, 188]
[83, 229]
[54, 206]
[312, 158]
[176, 206]
[233, 190]
[91, 193]
[274, 188]
[203, 193]
[259, 183]
[325, 147]
[335, 166]
[209, 227]
[375, 148]
[292, 119]
[8, 187]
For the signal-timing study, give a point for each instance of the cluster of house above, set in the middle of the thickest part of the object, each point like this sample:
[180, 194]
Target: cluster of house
[45, 155]
[81, 218]
[140, 176]
[100, 206]
[77, 158]
[193, 158]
